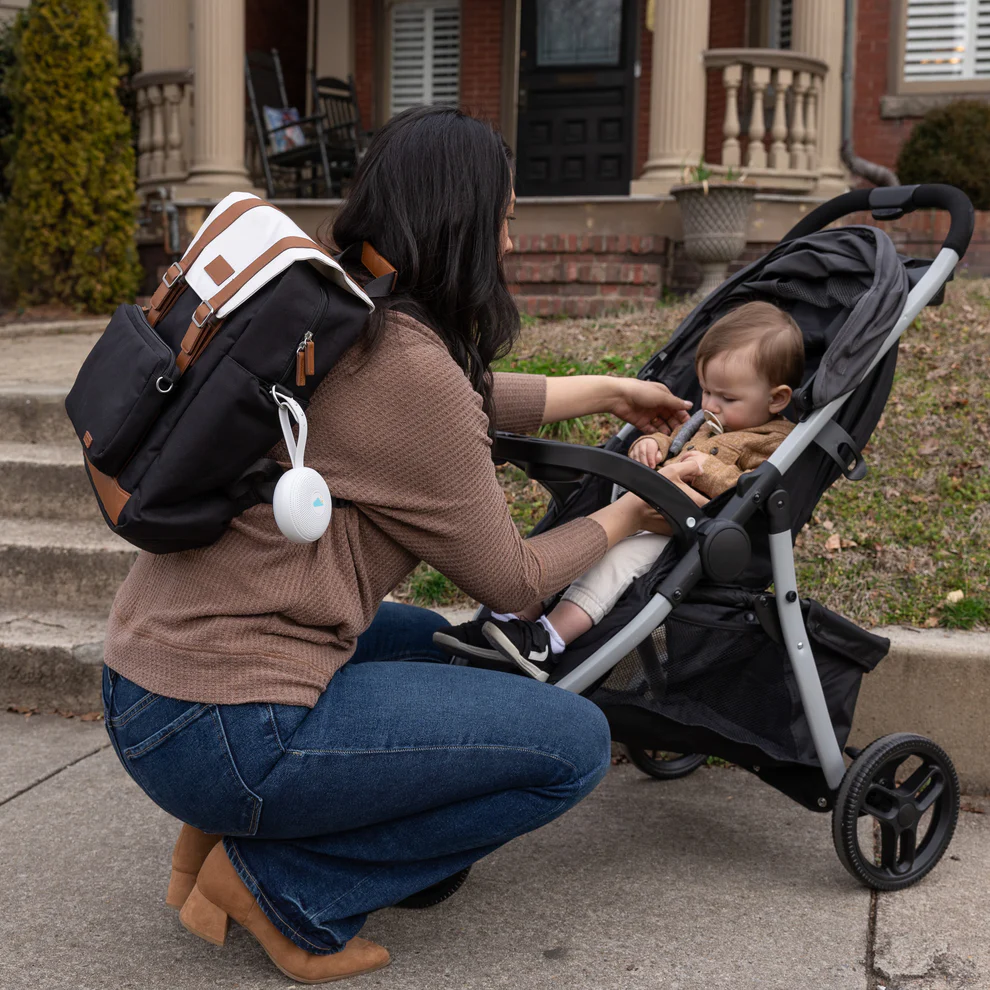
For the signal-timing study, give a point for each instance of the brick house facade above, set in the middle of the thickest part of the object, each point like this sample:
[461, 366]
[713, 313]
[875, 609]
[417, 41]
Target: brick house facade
[604, 118]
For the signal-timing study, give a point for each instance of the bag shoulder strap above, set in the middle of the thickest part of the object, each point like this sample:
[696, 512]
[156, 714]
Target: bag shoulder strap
[384, 274]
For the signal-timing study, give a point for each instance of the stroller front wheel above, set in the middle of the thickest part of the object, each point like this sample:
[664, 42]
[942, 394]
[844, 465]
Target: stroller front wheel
[896, 811]
[662, 764]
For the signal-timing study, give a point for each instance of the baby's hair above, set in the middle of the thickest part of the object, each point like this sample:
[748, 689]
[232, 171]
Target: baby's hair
[778, 340]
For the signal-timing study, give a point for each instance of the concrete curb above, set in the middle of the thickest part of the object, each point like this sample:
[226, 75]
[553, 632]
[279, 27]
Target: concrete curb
[51, 327]
[935, 682]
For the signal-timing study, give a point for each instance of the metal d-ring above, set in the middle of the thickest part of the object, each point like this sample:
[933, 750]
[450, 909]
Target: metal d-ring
[158, 385]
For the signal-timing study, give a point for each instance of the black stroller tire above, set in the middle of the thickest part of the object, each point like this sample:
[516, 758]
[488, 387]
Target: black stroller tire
[869, 788]
[436, 893]
[663, 769]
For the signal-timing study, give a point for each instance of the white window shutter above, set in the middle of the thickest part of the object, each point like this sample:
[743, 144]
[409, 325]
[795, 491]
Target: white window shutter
[426, 53]
[982, 54]
[947, 40]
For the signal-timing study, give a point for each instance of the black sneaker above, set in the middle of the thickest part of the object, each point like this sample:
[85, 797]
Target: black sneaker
[525, 643]
[466, 640]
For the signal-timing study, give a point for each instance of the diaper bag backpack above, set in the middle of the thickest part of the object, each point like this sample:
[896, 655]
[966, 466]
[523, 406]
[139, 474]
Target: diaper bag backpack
[176, 405]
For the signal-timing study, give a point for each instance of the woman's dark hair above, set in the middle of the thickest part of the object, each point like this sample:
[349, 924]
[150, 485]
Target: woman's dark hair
[431, 195]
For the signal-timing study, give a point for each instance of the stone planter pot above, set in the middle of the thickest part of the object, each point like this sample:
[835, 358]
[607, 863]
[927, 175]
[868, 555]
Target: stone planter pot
[714, 226]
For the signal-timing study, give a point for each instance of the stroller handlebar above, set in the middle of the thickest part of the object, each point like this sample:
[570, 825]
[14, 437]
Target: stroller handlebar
[552, 460]
[891, 203]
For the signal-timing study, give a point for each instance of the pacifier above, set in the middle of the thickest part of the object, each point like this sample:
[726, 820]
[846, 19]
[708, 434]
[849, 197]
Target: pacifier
[714, 422]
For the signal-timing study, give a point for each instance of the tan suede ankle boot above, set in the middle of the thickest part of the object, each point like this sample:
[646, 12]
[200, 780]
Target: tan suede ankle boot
[220, 895]
[191, 849]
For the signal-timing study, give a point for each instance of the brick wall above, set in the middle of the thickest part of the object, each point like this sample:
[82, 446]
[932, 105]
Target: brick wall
[874, 138]
[584, 274]
[481, 58]
[726, 29]
[920, 235]
[363, 19]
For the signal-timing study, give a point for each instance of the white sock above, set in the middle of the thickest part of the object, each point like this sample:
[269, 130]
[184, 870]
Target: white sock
[557, 645]
[504, 616]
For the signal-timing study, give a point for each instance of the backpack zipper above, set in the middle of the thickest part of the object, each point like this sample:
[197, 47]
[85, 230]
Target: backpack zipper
[305, 359]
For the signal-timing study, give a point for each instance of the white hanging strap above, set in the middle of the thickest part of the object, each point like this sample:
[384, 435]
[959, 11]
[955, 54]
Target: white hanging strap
[287, 405]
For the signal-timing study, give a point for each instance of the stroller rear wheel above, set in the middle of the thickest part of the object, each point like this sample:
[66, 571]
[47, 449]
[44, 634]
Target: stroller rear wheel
[896, 811]
[661, 764]
[437, 893]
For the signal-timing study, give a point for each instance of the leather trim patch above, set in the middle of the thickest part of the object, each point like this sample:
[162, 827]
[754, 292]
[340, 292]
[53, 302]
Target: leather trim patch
[112, 497]
[374, 262]
[88, 439]
[219, 269]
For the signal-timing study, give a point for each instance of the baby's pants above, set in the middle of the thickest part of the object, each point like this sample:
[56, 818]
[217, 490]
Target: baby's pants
[598, 589]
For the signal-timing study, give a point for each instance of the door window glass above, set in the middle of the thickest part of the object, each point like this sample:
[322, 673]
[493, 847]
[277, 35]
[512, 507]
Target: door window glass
[578, 32]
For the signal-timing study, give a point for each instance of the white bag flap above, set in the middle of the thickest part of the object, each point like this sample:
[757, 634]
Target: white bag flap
[249, 238]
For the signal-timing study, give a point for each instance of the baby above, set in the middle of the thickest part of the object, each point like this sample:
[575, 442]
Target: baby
[748, 364]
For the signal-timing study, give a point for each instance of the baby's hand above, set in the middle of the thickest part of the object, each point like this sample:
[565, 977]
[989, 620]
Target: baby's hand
[647, 451]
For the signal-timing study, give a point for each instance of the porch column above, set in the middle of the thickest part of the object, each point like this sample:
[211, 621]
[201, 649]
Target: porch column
[218, 124]
[677, 94]
[164, 34]
[817, 31]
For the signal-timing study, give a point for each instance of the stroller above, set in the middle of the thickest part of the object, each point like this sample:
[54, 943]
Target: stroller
[698, 657]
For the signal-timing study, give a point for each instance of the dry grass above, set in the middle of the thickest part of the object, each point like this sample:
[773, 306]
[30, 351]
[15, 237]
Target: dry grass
[888, 549]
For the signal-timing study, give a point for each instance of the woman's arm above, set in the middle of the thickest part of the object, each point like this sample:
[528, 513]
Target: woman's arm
[428, 482]
[647, 405]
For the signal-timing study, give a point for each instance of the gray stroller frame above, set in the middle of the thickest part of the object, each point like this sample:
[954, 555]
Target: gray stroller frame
[718, 548]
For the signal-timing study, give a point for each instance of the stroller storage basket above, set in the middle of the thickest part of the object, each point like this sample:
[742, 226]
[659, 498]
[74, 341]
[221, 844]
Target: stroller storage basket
[723, 668]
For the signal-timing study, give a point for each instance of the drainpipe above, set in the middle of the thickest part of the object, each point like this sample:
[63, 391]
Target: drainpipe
[879, 175]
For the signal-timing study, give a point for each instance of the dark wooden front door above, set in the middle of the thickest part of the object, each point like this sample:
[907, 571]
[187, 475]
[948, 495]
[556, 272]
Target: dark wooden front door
[576, 97]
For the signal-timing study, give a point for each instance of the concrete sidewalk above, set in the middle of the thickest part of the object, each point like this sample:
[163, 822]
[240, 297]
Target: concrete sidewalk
[715, 882]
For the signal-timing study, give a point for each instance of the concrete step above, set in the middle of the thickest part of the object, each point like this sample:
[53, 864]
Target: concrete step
[35, 414]
[78, 565]
[51, 660]
[44, 481]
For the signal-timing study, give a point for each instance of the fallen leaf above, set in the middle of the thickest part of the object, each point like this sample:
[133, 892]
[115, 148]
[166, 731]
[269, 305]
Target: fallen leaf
[931, 622]
[929, 448]
[828, 524]
[834, 542]
[955, 596]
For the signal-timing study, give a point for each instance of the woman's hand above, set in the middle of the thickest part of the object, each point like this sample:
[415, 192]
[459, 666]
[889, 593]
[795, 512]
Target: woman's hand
[649, 406]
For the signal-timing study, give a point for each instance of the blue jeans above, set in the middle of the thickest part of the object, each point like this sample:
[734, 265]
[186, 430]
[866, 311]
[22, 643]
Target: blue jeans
[401, 775]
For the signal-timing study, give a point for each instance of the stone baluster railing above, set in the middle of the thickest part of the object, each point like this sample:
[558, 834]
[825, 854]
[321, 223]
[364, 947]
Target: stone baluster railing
[771, 95]
[165, 126]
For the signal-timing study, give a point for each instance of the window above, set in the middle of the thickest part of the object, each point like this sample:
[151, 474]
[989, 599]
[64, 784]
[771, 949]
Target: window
[946, 41]
[426, 53]
[781, 19]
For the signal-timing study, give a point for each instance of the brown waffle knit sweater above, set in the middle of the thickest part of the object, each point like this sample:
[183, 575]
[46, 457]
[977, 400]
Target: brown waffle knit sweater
[402, 436]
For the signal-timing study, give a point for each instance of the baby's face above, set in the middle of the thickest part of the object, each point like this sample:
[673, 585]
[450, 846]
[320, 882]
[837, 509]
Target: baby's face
[734, 391]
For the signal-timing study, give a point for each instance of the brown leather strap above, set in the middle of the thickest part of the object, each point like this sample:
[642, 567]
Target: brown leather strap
[173, 282]
[205, 322]
[374, 262]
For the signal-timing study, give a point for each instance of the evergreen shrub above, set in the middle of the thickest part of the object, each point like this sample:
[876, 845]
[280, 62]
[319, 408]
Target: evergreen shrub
[951, 144]
[68, 228]
[9, 35]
